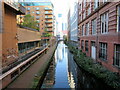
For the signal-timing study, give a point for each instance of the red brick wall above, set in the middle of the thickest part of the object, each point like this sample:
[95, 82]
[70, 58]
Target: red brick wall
[111, 38]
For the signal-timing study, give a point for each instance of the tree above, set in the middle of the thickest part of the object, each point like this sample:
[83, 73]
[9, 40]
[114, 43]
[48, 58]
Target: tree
[30, 22]
[46, 33]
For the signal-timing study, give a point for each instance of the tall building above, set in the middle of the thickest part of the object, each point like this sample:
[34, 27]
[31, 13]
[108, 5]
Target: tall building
[42, 12]
[68, 24]
[74, 25]
[99, 32]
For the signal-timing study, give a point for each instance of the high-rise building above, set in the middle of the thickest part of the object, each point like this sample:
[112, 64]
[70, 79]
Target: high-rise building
[42, 12]
[99, 32]
[73, 30]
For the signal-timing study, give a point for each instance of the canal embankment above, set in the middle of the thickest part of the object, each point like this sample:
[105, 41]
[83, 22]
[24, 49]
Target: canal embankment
[95, 69]
[26, 79]
[39, 77]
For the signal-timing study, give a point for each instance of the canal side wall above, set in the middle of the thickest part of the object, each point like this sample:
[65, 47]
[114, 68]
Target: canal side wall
[44, 71]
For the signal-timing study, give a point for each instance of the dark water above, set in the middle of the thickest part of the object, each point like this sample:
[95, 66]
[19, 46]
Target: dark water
[64, 73]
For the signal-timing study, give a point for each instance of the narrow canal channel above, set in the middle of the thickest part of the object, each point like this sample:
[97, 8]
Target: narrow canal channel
[64, 72]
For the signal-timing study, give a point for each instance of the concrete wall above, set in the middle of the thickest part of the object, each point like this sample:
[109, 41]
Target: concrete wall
[26, 35]
[9, 41]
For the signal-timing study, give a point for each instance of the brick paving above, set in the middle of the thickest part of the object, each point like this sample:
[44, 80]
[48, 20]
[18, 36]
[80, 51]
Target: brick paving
[26, 78]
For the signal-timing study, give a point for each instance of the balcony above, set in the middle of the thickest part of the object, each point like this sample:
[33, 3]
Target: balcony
[49, 30]
[48, 17]
[48, 26]
[48, 9]
[48, 13]
[48, 21]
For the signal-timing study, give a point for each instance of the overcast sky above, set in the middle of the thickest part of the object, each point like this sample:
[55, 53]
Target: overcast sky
[62, 6]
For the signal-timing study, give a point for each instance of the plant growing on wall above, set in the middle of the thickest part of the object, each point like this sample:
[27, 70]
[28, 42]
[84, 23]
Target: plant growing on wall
[46, 33]
[30, 22]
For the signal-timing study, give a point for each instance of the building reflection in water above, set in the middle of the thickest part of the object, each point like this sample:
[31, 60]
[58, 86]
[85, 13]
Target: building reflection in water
[64, 73]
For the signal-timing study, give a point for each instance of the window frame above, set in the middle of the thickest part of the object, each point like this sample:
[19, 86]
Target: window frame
[118, 18]
[104, 22]
[87, 28]
[94, 26]
[83, 30]
[103, 51]
[82, 44]
[115, 55]
[86, 46]
[96, 3]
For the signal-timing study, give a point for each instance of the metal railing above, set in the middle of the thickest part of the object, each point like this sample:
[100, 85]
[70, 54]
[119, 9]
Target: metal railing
[48, 21]
[48, 13]
[48, 9]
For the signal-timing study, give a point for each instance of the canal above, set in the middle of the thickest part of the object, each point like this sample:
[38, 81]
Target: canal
[64, 72]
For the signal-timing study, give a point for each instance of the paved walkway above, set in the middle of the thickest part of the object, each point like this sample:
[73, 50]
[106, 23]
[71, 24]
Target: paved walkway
[26, 78]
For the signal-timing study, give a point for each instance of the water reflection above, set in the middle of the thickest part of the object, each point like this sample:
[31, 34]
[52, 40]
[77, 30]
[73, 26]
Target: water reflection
[64, 73]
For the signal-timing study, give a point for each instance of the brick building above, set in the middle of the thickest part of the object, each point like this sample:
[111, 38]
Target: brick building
[43, 14]
[99, 32]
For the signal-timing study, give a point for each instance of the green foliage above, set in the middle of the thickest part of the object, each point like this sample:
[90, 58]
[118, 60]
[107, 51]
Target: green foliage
[30, 22]
[46, 34]
[110, 78]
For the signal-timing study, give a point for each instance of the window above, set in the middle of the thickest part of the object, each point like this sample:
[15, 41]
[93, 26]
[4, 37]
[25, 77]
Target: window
[95, 4]
[87, 29]
[103, 51]
[37, 17]
[94, 26]
[37, 12]
[82, 44]
[117, 55]
[89, 10]
[38, 21]
[84, 3]
[105, 1]
[46, 12]
[83, 32]
[28, 9]
[80, 8]
[118, 19]
[104, 23]
[46, 8]
[86, 46]
[37, 8]
[84, 15]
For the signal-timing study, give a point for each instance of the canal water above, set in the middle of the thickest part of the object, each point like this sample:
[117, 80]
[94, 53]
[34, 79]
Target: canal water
[64, 73]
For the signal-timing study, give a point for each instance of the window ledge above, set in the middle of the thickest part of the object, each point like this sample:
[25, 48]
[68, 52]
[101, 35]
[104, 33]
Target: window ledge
[115, 66]
[103, 59]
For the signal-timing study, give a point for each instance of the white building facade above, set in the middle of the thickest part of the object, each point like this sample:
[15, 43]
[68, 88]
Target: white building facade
[74, 25]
